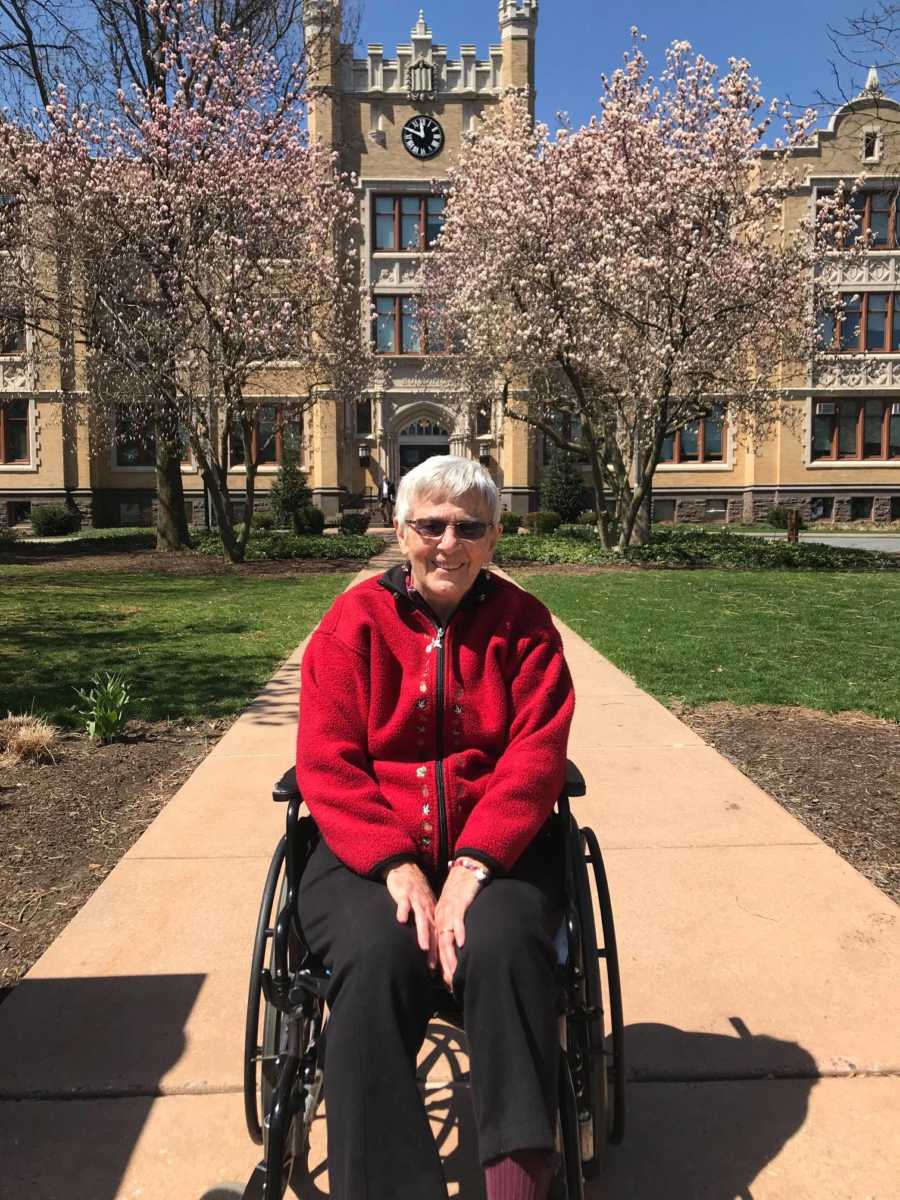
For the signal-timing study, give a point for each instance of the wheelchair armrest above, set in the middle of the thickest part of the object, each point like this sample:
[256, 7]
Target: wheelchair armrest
[286, 787]
[575, 784]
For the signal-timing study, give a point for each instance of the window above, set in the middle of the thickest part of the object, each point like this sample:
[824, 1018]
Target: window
[364, 416]
[860, 508]
[821, 508]
[701, 441]
[895, 508]
[275, 434]
[871, 145]
[663, 510]
[877, 213]
[14, 431]
[869, 322]
[569, 426]
[135, 440]
[868, 428]
[397, 328]
[716, 509]
[10, 220]
[407, 222]
[12, 333]
[482, 420]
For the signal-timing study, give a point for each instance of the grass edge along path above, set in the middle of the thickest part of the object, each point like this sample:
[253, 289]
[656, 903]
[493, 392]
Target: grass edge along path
[191, 647]
[822, 640]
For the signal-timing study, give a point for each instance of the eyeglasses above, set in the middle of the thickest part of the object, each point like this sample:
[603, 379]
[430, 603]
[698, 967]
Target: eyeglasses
[432, 529]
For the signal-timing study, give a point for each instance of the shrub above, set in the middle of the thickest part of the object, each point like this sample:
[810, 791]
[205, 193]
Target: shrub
[355, 522]
[542, 522]
[26, 738]
[777, 517]
[290, 493]
[582, 533]
[105, 705]
[510, 522]
[562, 489]
[693, 547]
[310, 521]
[276, 546]
[7, 537]
[262, 520]
[53, 520]
[588, 517]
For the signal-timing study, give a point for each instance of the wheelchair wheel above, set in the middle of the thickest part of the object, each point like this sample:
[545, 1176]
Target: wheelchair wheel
[290, 1079]
[614, 1053]
[252, 1046]
[569, 1182]
[587, 1026]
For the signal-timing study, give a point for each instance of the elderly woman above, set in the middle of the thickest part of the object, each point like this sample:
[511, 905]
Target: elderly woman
[435, 710]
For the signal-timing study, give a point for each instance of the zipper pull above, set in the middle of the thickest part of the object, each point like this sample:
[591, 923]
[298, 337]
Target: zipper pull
[436, 642]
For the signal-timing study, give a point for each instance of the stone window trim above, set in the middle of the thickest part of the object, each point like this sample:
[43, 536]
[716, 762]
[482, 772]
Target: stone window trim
[829, 411]
[10, 423]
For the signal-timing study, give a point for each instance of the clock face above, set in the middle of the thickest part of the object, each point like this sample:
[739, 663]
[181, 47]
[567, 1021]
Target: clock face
[423, 137]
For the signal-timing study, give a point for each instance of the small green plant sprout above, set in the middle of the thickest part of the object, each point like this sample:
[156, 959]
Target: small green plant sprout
[105, 705]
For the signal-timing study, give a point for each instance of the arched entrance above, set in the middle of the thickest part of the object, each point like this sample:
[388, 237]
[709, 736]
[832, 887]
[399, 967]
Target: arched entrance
[420, 440]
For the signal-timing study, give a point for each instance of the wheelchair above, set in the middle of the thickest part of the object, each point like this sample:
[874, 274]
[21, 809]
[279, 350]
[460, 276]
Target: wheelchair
[287, 1026]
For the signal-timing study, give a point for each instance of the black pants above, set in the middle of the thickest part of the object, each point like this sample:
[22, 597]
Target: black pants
[379, 1142]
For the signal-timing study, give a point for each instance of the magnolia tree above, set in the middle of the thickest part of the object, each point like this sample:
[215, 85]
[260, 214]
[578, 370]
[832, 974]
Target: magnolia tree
[212, 259]
[617, 283]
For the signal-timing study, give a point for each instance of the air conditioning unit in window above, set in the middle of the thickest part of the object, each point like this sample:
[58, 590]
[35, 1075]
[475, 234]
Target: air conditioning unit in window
[824, 408]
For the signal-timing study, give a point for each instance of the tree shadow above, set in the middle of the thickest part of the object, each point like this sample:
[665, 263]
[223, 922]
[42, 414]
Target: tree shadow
[448, 1104]
[94, 1041]
[706, 1113]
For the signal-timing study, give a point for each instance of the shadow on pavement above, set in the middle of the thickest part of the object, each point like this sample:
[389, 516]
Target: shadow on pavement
[706, 1113]
[73, 1050]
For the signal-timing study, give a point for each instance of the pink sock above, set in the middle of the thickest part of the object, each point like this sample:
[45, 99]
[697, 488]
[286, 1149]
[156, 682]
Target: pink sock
[524, 1175]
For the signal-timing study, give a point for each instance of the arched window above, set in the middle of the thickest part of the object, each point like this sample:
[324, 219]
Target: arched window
[425, 427]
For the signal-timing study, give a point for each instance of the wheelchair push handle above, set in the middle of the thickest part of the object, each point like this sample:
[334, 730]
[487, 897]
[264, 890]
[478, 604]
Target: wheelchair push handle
[286, 788]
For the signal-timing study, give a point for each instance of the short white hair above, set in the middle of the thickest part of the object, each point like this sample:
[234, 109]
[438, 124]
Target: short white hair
[447, 477]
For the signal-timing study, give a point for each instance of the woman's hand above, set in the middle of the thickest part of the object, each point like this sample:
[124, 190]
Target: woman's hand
[411, 890]
[460, 889]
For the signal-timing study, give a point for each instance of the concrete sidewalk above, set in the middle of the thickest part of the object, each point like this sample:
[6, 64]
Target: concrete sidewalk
[760, 977]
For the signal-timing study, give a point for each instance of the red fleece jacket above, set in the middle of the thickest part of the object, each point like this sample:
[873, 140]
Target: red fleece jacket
[417, 747]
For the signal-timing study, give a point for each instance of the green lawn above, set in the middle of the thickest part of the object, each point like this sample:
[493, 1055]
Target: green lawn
[823, 640]
[191, 646]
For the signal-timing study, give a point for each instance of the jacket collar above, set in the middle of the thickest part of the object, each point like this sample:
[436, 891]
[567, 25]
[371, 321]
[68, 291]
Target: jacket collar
[395, 580]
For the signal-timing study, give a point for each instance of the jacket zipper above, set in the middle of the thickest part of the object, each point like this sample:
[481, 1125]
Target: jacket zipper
[438, 644]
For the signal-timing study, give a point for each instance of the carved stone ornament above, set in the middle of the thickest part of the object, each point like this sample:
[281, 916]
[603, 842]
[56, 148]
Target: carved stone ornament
[420, 81]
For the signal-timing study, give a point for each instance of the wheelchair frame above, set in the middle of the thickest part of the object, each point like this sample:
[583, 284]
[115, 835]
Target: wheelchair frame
[283, 1073]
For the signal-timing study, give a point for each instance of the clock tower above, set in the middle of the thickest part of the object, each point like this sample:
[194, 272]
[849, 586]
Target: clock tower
[397, 121]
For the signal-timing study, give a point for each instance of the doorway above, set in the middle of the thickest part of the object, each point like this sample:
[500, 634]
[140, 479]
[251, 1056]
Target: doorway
[421, 440]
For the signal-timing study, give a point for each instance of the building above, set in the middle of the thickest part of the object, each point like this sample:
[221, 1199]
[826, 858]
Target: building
[397, 120]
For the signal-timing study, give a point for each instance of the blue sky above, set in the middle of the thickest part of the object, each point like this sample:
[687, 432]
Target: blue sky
[786, 42]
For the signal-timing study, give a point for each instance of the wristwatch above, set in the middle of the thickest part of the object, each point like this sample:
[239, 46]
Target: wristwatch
[479, 870]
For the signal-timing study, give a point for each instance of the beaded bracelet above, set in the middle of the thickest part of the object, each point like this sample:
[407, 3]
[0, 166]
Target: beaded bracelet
[479, 870]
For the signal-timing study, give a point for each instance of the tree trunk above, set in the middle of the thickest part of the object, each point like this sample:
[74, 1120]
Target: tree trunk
[640, 535]
[171, 519]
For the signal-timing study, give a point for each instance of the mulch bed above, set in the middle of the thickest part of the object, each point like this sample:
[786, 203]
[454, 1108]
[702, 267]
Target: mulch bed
[838, 774]
[64, 827]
